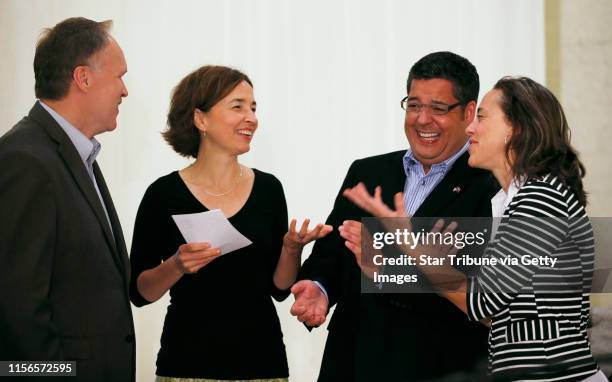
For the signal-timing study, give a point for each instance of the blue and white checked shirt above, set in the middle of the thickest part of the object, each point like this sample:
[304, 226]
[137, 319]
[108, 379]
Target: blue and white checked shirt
[418, 184]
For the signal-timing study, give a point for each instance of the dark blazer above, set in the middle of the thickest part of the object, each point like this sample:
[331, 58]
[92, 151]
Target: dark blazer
[391, 337]
[63, 274]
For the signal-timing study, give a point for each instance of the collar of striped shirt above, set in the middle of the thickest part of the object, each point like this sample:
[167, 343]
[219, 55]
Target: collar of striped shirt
[418, 184]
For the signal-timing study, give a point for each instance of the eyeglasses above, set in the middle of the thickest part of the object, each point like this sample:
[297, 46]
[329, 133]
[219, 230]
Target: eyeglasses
[434, 108]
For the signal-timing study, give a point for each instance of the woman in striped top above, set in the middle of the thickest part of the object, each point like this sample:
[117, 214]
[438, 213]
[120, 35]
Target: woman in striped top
[538, 313]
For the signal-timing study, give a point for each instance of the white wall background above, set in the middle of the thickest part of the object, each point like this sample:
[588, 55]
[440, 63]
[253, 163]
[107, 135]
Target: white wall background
[586, 93]
[328, 79]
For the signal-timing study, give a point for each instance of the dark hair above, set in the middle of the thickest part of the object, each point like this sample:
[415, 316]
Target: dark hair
[201, 89]
[540, 141]
[61, 49]
[448, 66]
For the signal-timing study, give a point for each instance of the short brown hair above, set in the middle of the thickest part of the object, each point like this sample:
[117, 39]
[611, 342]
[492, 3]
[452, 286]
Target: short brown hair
[451, 67]
[541, 136]
[61, 49]
[201, 89]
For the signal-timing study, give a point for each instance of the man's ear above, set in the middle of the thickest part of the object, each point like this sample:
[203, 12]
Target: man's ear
[469, 112]
[82, 77]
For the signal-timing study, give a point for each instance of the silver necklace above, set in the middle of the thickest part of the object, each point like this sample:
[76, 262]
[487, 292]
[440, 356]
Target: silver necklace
[226, 192]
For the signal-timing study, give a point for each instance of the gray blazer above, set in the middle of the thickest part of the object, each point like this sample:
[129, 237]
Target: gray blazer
[63, 275]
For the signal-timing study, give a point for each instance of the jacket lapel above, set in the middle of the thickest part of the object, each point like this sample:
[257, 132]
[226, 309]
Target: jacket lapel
[75, 165]
[395, 181]
[121, 259]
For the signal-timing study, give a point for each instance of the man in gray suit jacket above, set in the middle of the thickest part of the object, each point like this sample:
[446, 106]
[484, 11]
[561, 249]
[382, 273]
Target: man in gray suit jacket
[64, 271]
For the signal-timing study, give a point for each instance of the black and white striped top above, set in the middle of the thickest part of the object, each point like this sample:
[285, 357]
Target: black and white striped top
[539, 313]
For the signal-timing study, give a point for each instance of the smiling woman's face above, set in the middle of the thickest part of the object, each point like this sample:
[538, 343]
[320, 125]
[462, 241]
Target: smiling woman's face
[488, 134]
[231, 123]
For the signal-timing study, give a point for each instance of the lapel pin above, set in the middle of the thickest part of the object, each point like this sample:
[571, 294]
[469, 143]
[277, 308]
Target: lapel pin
[457, 189]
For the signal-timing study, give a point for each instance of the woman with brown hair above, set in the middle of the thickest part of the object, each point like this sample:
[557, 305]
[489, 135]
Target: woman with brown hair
[221, 323]
[538, 313]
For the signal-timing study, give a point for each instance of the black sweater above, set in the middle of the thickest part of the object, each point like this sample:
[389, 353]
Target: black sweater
[221, 322]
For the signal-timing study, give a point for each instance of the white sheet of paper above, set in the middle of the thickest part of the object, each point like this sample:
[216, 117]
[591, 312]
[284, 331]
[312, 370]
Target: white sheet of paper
[213, 227]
